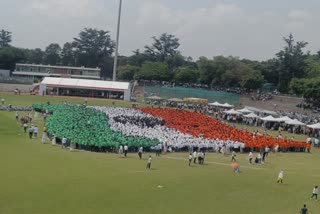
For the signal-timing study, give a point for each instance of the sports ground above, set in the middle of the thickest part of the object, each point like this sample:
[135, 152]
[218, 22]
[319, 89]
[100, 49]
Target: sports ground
[37, 178]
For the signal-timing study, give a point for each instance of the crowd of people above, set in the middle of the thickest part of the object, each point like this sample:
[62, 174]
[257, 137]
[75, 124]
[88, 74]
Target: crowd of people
[172, 129]
[197, 124]
[171, 139]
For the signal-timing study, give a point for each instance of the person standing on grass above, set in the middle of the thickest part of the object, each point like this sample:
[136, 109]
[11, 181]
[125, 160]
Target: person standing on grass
[17, 116]
[315, 192]
[125, 150]
[190, 159]
[203, 155]
[199, 157]
[140, 152]
[280, 177]
[121, 150]
[44, 115]
[250, 157]
[30, 117]
[35, 131]
[149, 162]
[304, 209]
[64, 142]
[25, 126]
[44, 137]
[30, 131]
[195, 157]
[233, 157]
[316, 142]
[54, 140]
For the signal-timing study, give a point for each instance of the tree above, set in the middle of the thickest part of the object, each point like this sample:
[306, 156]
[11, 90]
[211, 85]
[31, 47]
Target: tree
[270, 69]
[308, 88]
[9, 56]
[127, 72]
[138, 58]
[52, 54]
[252, 79]
[186, 75]
[221, 71]
[292, 63]
[68, 54]
[5, 38]
[93, 45]
[153, 71]
[35, 56]
[312, 66]
[163, 47]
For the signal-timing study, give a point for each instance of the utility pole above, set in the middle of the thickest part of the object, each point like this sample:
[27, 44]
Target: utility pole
[114, 76]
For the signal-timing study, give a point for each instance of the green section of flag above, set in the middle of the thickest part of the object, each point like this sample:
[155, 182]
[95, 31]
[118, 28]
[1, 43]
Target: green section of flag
[87, 126]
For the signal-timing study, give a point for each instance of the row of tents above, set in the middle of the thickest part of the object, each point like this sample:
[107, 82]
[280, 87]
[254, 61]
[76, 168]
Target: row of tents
[191, 99]
[178, 100]
[247, 113]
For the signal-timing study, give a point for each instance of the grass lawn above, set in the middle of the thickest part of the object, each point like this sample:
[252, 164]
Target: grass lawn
[37, 178]
[28, 100]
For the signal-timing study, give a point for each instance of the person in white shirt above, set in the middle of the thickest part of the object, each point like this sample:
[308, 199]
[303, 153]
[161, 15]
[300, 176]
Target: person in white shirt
[280, 177]
[44, 137]
[35, 131]
[64, 142]
[149, 162]
[233, 157]
[259, 158]
[316, 142]
[315, 192]
[2, 101]
[140, 152]
[190, 159]
[195, 157]
[125, 150]
[25, 126]
[30, 131]
[250, 157]
[17, 116]
[121, 150]
[54, 141]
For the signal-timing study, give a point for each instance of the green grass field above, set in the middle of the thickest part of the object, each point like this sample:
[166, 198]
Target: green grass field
[37, 178]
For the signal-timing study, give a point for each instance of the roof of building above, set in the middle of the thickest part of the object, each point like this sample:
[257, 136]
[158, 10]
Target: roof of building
[87, 84]
[53, 75]
[56, 66]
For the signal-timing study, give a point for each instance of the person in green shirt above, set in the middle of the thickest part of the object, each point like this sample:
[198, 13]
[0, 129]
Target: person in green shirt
[304, 209]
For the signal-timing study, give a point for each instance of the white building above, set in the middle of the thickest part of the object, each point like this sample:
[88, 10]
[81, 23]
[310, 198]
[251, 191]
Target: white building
[85, 88]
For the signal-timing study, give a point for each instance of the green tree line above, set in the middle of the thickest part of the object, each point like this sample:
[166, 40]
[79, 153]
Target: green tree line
[292, 70]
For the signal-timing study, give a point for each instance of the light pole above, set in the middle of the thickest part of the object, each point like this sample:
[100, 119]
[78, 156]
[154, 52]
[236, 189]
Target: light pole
[114, 76]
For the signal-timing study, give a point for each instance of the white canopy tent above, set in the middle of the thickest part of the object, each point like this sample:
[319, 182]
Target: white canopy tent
[283, 119]
[314, 126]
[232, 111]
[251, 115]
[245, 111]
[269, 119]
[294, 122]
[215, 104]
[261, 111]
[227, 105]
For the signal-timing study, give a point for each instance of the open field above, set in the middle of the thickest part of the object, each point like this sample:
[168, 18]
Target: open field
[28, 100]
[37, 178]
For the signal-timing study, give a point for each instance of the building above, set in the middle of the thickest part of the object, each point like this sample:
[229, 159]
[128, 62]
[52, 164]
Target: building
[85, 88]
[4, 74]
[39, 71]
